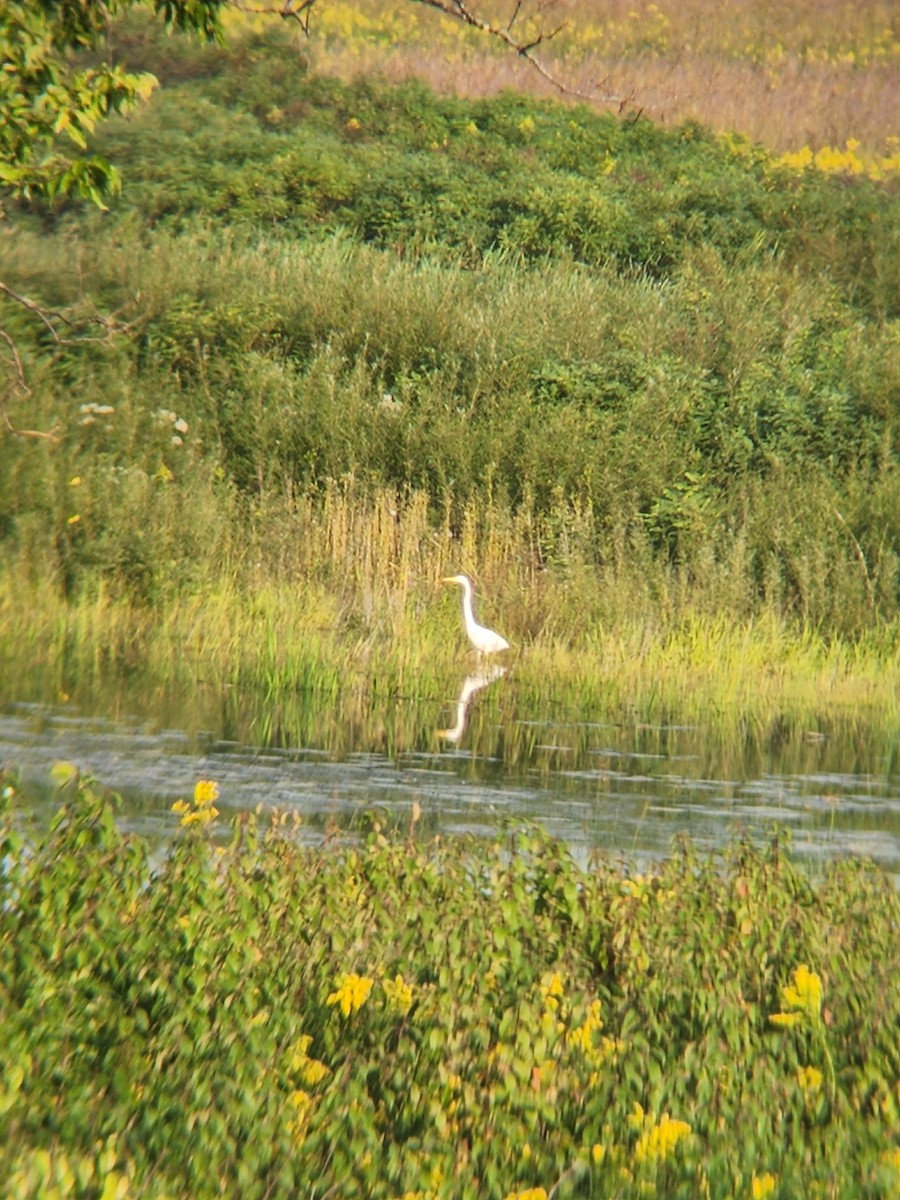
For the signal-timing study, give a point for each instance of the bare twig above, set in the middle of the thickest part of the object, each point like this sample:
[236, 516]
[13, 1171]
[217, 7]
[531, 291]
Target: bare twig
[53, 318]
[460, 10]
[290, 10]
[20, 385]
[65, 329]
[302, 14]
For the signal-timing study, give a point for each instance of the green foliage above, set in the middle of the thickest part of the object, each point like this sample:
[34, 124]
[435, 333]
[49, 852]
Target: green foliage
[407, 169]
[48, 99]
[731, 423]
[407, 1016]
[666, 362]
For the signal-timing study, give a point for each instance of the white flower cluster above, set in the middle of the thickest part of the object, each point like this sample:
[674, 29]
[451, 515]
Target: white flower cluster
[166, 417]
[90, 412]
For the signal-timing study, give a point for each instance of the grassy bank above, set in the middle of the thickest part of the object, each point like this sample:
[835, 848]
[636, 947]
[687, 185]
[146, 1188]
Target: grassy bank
[640, 383]
[406, 1017]
[346, 636]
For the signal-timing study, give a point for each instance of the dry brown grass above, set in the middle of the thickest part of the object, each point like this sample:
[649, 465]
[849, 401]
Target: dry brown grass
[788, 74]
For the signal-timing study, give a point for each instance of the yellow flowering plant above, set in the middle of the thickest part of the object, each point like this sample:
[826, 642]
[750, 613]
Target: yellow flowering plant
[236, 1016]
[351, 993]
[658, 1138]
[202, 810]
[399, 994]
[764, 1185]
[802, 1001]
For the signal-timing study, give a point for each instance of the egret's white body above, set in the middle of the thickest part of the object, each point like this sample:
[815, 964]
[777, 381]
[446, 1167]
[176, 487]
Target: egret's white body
[485, 641]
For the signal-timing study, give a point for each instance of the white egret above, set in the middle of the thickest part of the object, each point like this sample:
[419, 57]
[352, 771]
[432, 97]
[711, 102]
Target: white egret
[485, 641]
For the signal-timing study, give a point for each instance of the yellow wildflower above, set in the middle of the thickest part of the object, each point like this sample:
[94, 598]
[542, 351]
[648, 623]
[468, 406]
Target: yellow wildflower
[804, 996]
[309, 1070]
[636, 1117]
[797, 160]
[551, 989]
[806, 992]
[809, 1079]
[300, 1099]
[598, 1153]
[192, 816]
[763, 1185]
[786, 1019]
[314, 1071]
[352, 992]
[536, 1193]
[203, 810]
[657, 1143]
[399, 994]
[597, 1050]
[205, 793]
[302, 1104]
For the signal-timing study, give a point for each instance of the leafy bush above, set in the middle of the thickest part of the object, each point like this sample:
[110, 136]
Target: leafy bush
[407, 1016]
[256, 137]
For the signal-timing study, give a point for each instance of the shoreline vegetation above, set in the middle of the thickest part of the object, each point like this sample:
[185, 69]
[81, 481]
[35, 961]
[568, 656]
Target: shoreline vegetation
[339, 339]
[403, 1016]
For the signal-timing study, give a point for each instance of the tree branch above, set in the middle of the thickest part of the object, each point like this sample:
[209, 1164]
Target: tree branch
[54, 322]
[460, 10]
[20, 385]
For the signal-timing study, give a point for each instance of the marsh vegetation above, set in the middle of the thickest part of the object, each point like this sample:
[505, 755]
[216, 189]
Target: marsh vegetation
[639, 382]
[343, 336]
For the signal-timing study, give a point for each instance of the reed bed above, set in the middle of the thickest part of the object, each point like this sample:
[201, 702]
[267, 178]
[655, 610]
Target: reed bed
[344, 599]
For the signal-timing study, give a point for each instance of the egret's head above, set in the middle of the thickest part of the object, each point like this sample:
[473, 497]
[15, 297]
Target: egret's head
[460, 579]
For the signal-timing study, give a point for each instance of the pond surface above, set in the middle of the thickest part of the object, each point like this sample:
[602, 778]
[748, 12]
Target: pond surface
[473, 758]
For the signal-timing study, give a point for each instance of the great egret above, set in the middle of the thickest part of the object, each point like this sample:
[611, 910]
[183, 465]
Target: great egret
[485, 641]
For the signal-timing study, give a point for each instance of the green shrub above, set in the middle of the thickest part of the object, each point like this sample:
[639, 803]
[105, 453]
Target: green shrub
[402, 1015]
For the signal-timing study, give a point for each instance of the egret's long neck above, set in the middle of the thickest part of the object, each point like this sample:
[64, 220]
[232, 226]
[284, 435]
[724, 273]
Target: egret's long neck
[467, 606]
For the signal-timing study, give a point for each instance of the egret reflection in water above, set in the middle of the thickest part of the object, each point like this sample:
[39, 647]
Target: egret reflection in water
[471, 685]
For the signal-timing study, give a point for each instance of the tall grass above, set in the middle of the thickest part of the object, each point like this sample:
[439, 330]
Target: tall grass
[363, 424]
[655, 423]
[342, 599]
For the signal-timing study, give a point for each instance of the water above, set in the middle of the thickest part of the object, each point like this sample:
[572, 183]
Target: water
[472, 760]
